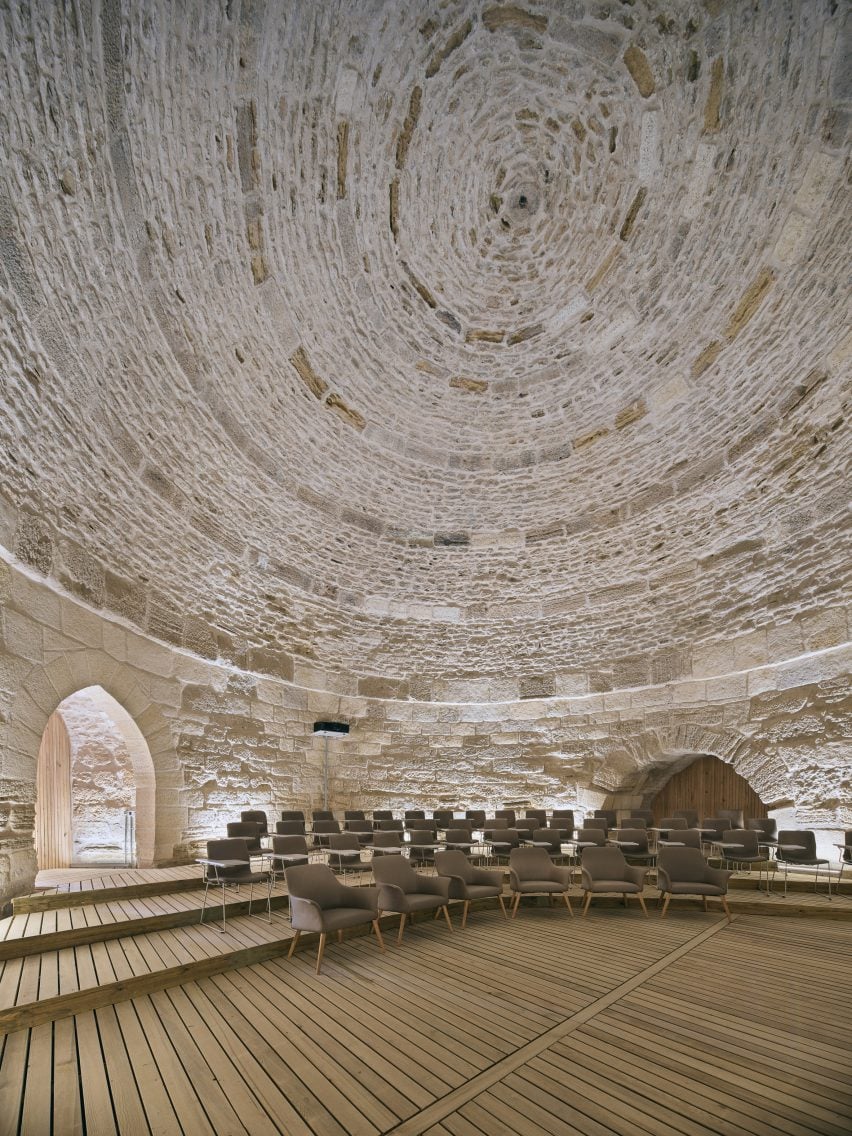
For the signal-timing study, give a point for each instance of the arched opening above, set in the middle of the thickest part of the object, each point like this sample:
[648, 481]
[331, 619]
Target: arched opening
[94, 786]
[707, 784]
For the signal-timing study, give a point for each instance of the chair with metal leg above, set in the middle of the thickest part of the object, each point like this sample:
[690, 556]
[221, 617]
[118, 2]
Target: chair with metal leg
[798, 847]
[228, 864]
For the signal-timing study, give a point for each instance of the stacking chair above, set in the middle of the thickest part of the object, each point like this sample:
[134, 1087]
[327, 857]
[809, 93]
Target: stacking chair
[563, 819]
[633, 822]
[553, 838]
[259, 818]
[508, 815]
[403, 890]
[443, 818]
[322, 814]
[596, 822]
[799, 847]
[501, 841]
[735, 816]
[290, 827]
[748, 851]
[319, 902]
[459, 838]
[690, 815]
[419, 852]
[525, 828]
[643, 814]
[420, 824]
[595, 836]
[532, 872]
[381, 814]
[290, 846]
[322, 829]
[496, 822]
[293, 814]
[845, 858]
[247, 830]
[538, 815]
[344, 853]
[363, 829]
[605, 871]
[414, 814]
[476, 817]
[670, 823]
[766, 827]
[223, 875]
[468, 882]
[390, 824]
[352, 814]
[386, 844]
[641, 853]
[609, 815]
[684, 871]
[687, 837]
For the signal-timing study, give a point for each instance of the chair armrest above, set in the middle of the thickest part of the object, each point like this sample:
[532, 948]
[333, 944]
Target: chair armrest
[305, 914]
[514, 882]
[636, 874]
[483, 876]
[434, 885]
[391, 898]
[664, 882]
[587, 879]
[366, 897]
[562, 876]
[717, 876]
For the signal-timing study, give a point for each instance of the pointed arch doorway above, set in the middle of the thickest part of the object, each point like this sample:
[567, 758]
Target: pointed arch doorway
[94, 786]
[706, 783]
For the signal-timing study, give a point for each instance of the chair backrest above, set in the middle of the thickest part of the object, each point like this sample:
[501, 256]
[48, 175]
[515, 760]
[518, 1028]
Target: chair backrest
[476, 817]
[563, 814]
[718, 826]
[258, 816]
[290, 827]
[605, 863]
[634, 822]
[766, 826]
[458, 835]
[526, 828]
[293, 814]
[290, 845]
[609, 815]
[595, 824]
[648, 814]
[539, 815]
[688, 837]
[674, 822]
[326, 826]
[420, 824]
[247, 830]
[443, 818]
[322, 814]
[508, 815]
[496, 822]
[344, 842]
[503, 835]
[386, 840]
[454, 863]
[390, 825]
[421, 836]
[382, 814]
[230, 849]
[396, 871]
[531, 863]
[690, 815]
[359, 826]
[314, 881]
[682, 865]
[353, 814]
[637, 836]
[735, 816]
[801, 838]
[415, 814]
[592, 835]
[846, 850]
[553, 837]
[746, 838]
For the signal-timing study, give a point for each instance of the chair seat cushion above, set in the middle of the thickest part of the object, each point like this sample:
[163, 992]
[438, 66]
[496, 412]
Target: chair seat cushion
[532, 886]
[483, 891]
[695, 888]
[621, 886]
[336, 918]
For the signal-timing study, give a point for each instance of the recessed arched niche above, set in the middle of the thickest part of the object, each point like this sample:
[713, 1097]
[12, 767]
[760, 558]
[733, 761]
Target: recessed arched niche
[707, 784]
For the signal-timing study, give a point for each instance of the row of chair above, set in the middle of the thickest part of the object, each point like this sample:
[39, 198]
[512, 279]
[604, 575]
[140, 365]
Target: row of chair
[320, 903]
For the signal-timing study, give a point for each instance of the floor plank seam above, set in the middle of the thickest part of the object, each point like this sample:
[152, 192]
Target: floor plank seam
[440, 1109]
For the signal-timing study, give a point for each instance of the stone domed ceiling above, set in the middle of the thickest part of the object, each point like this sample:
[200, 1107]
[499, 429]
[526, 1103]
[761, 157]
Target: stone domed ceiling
[433, 339]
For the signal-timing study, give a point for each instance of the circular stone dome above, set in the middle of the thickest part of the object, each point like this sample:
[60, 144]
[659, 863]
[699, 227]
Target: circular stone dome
[429, 340]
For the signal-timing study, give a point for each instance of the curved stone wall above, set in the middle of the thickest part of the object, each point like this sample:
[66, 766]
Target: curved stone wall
[475, 370]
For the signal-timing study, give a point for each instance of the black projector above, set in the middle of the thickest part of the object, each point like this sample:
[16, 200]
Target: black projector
[331, 729]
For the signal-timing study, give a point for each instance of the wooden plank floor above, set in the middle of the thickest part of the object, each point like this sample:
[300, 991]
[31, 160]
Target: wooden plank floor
[545, 1025]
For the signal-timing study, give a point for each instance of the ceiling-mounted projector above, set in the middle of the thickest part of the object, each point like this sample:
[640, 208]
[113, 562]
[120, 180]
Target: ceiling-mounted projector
[331, 729]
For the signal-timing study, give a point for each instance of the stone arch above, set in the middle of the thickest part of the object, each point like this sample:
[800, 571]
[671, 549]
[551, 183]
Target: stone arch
[41, 691]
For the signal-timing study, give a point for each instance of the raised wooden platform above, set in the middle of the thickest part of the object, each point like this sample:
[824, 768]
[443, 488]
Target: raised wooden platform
[610, 1026]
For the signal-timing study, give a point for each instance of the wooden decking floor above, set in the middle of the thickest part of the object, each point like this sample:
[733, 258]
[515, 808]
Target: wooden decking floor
[608, 1025]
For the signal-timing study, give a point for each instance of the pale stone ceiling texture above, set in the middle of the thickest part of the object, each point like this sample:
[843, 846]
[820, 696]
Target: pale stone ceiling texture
[431, 340]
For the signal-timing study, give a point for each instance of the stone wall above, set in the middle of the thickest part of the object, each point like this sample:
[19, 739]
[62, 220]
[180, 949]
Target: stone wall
[222, 739]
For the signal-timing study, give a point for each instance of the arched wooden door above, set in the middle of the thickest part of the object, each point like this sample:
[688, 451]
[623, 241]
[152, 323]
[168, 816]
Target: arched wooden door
[53, 796]
[707, 784]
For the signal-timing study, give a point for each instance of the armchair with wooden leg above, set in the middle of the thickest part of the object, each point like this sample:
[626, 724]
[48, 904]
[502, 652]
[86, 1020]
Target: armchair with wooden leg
[606, 872]
[532, 872]
[320, 903]
[468, 882]
[684, 871]
[405, 891]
